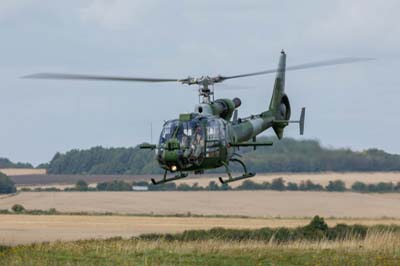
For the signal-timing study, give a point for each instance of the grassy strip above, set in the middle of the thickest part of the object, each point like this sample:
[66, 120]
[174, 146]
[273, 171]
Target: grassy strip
[382, 249]
[314, 244]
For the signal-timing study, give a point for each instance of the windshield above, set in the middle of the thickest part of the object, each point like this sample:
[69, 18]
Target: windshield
[188, 133]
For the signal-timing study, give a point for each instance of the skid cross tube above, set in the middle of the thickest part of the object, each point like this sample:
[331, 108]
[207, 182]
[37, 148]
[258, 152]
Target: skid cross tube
[165, 179]
[232, 179]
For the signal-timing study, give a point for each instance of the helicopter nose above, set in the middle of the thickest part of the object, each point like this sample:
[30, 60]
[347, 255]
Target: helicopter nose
[172, 160]
[170, 156]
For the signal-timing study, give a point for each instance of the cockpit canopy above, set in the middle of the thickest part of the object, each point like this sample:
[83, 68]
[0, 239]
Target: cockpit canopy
[191, 141]
[184, 132]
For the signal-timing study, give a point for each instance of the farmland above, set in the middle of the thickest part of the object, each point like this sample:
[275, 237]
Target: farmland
[247, 203]
[377, 248]
[23, 171]
[131, 214]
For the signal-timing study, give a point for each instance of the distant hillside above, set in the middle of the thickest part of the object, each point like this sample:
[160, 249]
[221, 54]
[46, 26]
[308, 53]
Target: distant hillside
[287, 155]
[6, 163]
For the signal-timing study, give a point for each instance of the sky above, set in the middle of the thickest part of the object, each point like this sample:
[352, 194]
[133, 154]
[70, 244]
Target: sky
[351, 106]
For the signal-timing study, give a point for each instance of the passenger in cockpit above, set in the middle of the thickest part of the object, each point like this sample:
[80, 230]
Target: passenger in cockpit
[197, 142]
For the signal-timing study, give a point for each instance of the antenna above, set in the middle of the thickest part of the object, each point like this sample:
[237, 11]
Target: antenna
[151, 133]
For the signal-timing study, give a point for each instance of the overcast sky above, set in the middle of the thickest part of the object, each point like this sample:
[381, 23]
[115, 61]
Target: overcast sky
[352, 106]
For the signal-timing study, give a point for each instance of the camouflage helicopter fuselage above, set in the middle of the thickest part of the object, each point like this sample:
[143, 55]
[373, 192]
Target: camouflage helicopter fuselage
[208, 138]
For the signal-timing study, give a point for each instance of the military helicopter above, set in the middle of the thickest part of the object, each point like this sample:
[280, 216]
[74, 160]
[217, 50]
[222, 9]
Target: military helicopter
[210, 136]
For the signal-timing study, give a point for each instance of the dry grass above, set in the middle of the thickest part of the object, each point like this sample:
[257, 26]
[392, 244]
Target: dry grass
[375, 240]
[378, 248]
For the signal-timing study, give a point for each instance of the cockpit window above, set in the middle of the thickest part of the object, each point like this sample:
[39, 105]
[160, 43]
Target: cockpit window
[215, 130]
[187, 133]
[168, 131]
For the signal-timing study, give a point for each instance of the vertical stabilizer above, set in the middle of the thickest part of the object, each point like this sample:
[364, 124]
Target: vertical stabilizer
[279, 86]
[279, 105]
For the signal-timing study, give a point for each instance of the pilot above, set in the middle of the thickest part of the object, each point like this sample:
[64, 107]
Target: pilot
[197, 142]
[184, 140]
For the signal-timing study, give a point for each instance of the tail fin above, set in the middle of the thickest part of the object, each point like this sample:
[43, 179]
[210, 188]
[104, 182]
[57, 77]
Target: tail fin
[279, 105]
[279, 86]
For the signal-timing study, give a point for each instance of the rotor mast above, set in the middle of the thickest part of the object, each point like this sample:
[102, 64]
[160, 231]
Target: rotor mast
[206, 90]
[206, 86]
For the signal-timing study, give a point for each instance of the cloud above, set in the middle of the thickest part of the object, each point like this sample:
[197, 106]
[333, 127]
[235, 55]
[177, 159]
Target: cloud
[10, 8]
[116, 14]
[367, 23]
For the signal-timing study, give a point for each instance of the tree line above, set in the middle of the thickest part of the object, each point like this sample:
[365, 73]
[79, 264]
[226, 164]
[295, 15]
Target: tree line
[6, 163]
[277, 184]
[287, 155]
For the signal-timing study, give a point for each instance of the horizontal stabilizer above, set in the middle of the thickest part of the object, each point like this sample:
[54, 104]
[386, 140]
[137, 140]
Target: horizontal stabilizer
[300, 121]
[148, 146]
[252, 144]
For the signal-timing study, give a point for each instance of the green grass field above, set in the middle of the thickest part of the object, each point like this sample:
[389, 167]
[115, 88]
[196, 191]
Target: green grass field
[313, 244]
[382, 251]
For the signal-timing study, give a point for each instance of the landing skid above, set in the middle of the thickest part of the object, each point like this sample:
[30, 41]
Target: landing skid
[232, 179]
[165, 179]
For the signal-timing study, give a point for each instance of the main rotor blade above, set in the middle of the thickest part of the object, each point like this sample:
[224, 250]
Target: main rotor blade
[339, 61]
[96, 77]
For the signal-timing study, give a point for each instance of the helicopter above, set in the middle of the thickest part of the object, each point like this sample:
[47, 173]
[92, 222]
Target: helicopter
[210, 137]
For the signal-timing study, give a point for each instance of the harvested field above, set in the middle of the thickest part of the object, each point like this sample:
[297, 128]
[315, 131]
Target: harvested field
[22, 171]
[247, 203]
[22, 229]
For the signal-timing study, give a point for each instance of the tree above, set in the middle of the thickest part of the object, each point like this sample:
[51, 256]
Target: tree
[309, 185]
[81, 185]
[359, 187]
[184, 187]
[6, 163]
[278, 184]
[292, 186]
[250, 185]
[6, 184]
[18, 208]
[318, 223]
[212, 186]
[337, 185]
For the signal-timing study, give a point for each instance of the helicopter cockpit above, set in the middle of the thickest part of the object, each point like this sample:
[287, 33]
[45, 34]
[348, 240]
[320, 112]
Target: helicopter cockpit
[184, 144]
